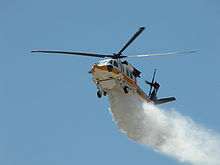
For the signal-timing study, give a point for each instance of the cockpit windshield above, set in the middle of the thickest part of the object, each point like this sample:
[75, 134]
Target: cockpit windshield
[104, 62]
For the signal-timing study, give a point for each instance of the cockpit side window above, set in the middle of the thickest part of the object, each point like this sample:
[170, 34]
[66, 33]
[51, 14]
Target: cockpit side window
[115, 64]
[110, 62]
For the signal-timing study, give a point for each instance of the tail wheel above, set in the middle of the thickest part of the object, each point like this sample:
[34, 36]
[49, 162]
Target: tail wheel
[99, 94]
[126, 89]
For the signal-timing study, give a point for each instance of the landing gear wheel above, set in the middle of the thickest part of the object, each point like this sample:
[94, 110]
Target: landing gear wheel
[99, 94]
[126, 89]
[104, 93]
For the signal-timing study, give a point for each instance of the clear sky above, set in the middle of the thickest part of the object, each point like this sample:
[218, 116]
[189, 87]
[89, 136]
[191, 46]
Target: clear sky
[49, 112]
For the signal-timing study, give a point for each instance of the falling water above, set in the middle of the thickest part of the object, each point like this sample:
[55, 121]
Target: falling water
[168, 132]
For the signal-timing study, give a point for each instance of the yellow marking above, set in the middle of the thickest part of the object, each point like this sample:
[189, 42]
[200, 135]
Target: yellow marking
[104, 68]
[129, 81]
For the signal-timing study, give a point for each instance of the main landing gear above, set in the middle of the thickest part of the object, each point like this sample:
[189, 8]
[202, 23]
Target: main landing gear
[99, 93]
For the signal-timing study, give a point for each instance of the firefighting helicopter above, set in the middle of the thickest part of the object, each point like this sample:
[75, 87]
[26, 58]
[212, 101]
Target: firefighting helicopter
[115, 73]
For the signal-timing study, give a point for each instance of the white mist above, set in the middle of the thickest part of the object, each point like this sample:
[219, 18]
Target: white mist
[167, 132]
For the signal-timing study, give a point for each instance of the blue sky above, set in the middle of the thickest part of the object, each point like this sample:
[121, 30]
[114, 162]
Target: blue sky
[49, 112]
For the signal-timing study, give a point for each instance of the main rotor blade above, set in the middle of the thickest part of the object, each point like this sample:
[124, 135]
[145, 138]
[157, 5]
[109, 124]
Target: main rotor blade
[131, 40]
[71, 53]
[146, 55]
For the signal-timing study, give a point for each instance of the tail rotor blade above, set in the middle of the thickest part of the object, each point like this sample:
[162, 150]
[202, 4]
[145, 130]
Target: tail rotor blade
[154, 75]
[152, 82]
[147, 82]
[150, 91]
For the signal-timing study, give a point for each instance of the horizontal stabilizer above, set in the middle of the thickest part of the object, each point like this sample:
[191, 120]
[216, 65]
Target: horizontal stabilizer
[164, 100]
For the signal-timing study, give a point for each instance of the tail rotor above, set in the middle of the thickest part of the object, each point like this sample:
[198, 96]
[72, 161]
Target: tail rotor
[151, 83]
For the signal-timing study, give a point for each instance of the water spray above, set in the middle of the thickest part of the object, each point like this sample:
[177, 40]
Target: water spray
[167, 132]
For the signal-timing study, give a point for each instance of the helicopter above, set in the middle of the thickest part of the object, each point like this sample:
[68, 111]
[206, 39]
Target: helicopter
[113, 72]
